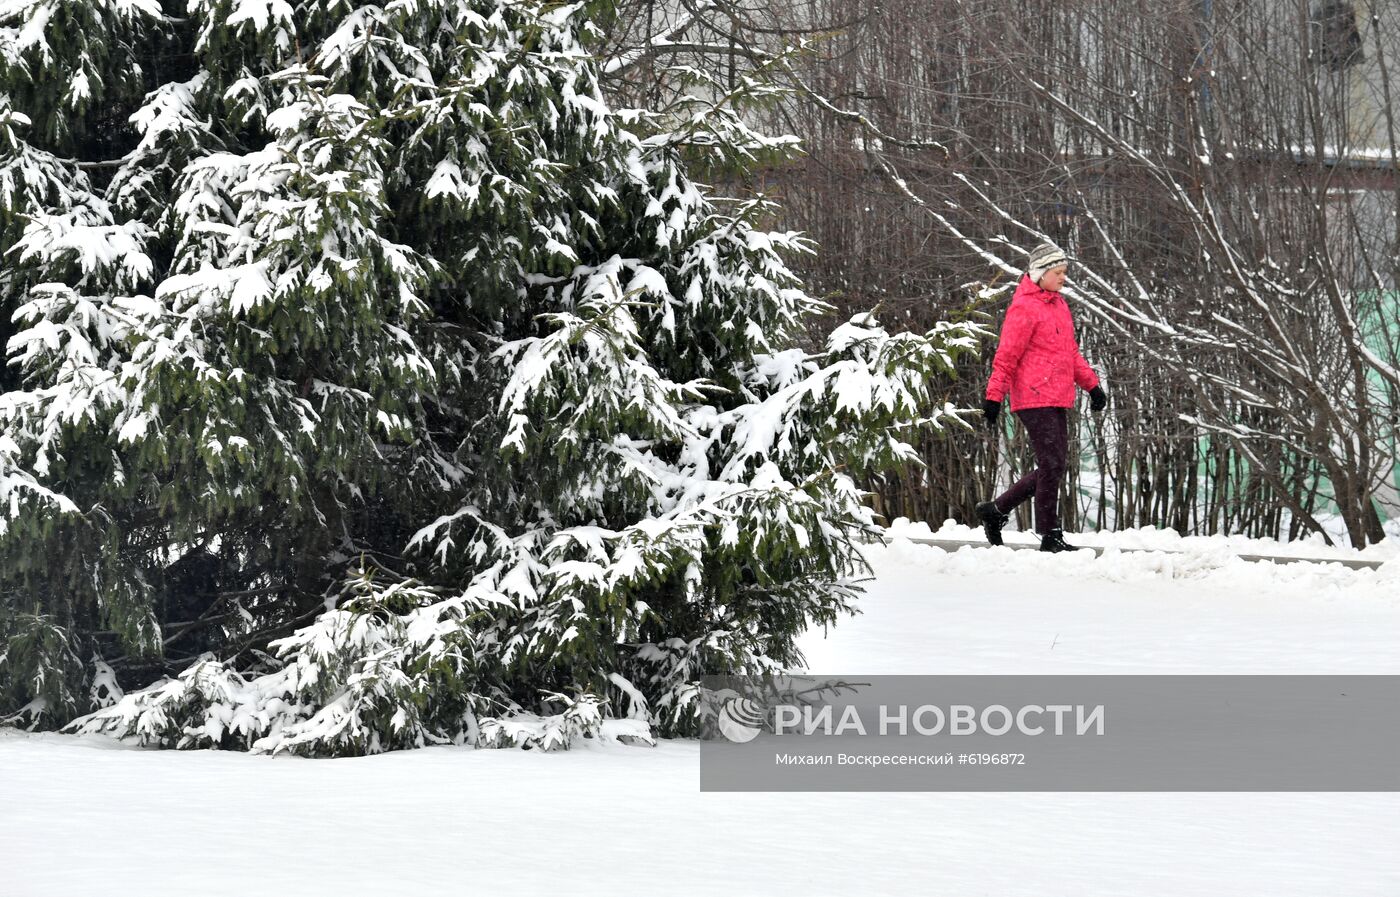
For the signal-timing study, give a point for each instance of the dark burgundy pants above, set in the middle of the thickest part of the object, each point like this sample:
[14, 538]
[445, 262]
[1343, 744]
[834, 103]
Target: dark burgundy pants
[1048, 429]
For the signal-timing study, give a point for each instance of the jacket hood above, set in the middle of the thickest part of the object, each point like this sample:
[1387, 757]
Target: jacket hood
[1031, 290]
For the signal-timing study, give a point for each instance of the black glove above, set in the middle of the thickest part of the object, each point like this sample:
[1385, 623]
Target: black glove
[990, 410]
[1098, 399]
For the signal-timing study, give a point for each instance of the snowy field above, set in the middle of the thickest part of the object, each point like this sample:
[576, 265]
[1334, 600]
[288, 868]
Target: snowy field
[90, 817]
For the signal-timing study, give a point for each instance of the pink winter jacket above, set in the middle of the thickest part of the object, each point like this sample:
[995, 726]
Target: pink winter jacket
[1037, 358]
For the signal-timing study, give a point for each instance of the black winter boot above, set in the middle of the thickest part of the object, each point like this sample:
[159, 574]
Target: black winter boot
[992, 520]
[1055, 541]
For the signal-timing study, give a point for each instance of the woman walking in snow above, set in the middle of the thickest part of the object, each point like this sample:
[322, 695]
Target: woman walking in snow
[1039, 363]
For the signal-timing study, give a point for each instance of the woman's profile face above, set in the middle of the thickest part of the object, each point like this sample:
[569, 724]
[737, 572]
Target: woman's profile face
[1054, 279]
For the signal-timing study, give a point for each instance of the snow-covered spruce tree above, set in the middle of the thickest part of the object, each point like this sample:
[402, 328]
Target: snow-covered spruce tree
[374, 384]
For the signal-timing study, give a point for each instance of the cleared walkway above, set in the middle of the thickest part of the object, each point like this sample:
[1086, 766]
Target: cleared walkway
[955, 544]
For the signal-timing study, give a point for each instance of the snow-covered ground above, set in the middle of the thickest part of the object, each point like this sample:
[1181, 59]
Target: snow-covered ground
[89, 817]
[1151, 538]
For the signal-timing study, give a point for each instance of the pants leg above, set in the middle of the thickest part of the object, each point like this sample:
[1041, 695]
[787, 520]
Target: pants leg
[1020, 490]
[1048, 429]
